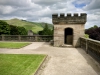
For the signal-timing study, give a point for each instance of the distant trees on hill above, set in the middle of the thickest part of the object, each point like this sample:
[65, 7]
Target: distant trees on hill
[7, 29]
[16, 30]
[46, 31]
[93, 32]
[4, 28]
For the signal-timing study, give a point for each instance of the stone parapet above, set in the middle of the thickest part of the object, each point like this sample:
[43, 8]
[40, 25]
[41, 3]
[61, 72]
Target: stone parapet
[69, 19]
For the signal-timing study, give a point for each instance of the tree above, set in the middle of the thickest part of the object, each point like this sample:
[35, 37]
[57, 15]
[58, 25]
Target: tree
[95, 26]
[13, 30]
[4, 28]
[16, 30]
[46, 31]
[22, 31]
[93, 32]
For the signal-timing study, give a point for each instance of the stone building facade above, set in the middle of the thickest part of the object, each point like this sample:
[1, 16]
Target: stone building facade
[30, 32]
[68, 29]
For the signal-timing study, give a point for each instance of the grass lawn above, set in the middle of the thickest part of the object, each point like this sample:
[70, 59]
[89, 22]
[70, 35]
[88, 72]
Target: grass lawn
[36, 29]
[19, 64]
[13, 44]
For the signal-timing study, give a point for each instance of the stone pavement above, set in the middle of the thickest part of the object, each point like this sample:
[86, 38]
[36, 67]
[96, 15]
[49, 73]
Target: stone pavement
[63, 61]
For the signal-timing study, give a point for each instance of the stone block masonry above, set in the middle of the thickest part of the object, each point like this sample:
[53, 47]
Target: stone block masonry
[75, 19]
[65, 26]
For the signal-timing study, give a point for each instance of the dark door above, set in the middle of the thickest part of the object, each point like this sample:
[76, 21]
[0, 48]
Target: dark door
[68, 36]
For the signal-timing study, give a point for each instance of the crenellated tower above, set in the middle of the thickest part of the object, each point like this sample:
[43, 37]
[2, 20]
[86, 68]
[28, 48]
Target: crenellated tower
[69, 19]
[68, 28]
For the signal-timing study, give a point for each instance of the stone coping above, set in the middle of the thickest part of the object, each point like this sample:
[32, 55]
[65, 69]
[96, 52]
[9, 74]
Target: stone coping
[41, 66]
[90, 39]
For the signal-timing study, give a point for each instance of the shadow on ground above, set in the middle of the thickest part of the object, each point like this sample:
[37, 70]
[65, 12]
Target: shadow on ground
[91, 61]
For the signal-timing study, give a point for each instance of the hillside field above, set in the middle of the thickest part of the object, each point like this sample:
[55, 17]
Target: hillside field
[34, 26]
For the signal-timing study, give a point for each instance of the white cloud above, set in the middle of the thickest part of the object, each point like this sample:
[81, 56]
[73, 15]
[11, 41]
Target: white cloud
[16, 2]
[47, 2]
[6, 9]
[82, 1]
[48, 20]
[95, 4]
[7, 18]
[93, 17]
[42, 10]
[91, 24]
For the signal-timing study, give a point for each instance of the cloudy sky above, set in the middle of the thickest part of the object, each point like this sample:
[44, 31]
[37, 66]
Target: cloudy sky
[42, 10]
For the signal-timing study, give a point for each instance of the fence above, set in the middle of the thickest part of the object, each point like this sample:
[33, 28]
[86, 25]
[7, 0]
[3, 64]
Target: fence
[92, 47]
[35, 38]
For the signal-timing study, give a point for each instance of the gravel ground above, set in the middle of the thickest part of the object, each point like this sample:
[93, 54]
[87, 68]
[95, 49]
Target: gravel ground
[63, 61]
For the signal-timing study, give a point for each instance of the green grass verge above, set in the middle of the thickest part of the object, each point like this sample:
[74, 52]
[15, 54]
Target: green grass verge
[15, 45]
[19, 64]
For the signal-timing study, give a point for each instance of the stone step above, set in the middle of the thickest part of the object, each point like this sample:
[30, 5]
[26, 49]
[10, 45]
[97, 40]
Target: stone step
[67, 46]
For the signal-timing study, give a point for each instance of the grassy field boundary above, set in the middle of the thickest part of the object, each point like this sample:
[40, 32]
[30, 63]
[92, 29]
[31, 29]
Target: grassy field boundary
[29, 67]
[14, 45]
[37, 72]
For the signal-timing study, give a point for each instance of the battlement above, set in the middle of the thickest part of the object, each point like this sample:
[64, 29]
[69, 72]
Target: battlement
[69, 19]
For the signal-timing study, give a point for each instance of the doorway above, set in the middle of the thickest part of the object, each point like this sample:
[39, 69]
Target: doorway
[68, 36]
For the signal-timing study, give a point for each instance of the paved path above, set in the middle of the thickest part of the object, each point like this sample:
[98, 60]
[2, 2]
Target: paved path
[63, 61]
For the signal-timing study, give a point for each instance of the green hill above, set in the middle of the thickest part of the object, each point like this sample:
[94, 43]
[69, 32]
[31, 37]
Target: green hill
[34, 26]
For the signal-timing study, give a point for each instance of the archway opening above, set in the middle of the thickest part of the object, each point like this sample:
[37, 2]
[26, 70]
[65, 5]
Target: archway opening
[68, 36]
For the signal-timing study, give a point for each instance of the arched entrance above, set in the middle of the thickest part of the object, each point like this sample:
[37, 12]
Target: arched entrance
[68, 36]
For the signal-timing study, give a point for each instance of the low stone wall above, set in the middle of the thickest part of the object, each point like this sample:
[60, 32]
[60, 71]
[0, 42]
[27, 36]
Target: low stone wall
[35, 38]
[91, 47]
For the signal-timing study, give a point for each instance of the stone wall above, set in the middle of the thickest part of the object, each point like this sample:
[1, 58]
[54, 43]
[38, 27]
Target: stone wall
[74, 22]
[28, 38]
[91, 47]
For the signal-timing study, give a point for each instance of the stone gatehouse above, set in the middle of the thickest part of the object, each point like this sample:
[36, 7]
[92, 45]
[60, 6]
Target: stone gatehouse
[68, 29]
